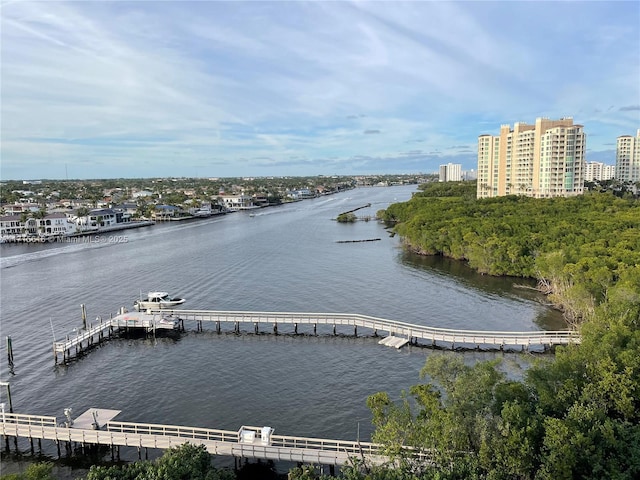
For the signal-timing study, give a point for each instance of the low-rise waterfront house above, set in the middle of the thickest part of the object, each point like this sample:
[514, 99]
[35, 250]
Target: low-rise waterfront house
[102, 217]
[11, 225]
[165, 212]
[260, 200]
[126, 208]
[237, 202]
[54, 224]
[301, 194]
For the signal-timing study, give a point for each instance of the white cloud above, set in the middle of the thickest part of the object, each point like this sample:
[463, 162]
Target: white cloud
[215, 82]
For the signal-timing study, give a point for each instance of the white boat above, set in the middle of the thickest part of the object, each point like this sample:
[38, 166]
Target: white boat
[156, 300]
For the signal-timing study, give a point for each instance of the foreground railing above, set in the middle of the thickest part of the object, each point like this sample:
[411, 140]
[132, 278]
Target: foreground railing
[250, 442]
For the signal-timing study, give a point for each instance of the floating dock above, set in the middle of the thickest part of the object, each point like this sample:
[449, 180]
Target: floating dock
[393, 341]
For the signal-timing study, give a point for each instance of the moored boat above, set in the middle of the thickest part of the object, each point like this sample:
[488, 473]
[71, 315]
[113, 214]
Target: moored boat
[157, 300]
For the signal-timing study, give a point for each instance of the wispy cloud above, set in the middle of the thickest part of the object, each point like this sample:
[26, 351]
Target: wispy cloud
[270, 88]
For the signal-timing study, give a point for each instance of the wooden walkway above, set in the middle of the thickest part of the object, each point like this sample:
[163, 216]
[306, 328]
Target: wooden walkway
[398, 334]
[443, 337]
[247, 442]
[126, 320]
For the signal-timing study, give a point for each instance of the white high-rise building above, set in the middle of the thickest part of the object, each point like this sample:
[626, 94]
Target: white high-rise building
[541, 160]
[628, 158]
[451, 172]
[596, 171]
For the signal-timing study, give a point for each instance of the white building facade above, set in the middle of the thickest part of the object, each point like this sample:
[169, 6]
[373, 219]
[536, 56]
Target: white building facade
[542, 160]
[598, 171]
[451, 172]
[628, 158]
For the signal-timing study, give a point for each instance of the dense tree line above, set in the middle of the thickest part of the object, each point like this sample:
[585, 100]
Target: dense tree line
[578, 247]
[574, 416]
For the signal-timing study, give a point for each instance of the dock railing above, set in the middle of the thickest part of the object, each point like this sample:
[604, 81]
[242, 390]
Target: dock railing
[393, 327]
[443, 337]
[217, 442]
[28, 420]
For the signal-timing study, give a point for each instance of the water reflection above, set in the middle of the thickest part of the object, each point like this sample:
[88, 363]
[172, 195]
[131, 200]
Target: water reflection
[505, 287]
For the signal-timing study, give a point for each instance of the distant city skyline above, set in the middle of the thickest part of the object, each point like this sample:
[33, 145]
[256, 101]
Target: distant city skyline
[231, 89]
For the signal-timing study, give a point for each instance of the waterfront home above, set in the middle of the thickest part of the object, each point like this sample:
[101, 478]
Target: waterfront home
[301, 194]
[95, 219]
[235, 203]
[165, 212]
[102, 217]
[260, 200]
[53, 224]
[129, 208]
[11, 225]
[56, 224]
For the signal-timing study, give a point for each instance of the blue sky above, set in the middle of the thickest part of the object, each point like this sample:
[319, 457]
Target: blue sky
[93, 89]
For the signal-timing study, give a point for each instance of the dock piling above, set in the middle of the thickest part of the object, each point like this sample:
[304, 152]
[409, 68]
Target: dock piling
[10, 353]
[84, 316]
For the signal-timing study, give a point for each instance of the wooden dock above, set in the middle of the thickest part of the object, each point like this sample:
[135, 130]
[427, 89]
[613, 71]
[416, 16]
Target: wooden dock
[247, 442]
[443, 337]
[149, 322]
[399, 333]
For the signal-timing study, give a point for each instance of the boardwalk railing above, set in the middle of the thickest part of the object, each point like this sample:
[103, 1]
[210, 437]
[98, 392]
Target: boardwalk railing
[408, 330]
[98, 330]
[217, 442]
[443, 337]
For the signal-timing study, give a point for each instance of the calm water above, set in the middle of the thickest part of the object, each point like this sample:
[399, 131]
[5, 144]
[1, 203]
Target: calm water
[279, 259]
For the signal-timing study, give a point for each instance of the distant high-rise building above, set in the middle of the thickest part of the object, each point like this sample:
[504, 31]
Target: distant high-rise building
[451, 172]
[469, 174]
[596, 171]
[628, 158]
[541, 160]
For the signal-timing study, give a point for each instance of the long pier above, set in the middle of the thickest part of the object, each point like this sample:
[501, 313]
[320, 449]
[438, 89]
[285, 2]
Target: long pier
[247, 442]
[397, 334]
[444, 337]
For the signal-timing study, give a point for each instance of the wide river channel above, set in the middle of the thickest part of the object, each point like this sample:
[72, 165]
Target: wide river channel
[285, 258]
